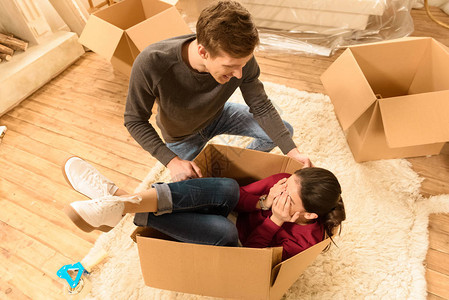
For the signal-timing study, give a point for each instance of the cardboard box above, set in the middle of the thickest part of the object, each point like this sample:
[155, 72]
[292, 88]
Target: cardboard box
[392, 98]
[120, 32]
[228, 272]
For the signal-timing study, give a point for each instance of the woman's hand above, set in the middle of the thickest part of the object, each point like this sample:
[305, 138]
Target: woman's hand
[281, 210]
[275, 191]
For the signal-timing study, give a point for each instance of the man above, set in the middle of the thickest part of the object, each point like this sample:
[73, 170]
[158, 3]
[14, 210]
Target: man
[191, 78]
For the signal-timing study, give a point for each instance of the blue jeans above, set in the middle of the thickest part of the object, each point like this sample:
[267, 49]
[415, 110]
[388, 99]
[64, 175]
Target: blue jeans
[195, 211]
[235, 119]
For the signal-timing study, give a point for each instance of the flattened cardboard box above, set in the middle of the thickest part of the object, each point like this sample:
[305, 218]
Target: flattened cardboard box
[323, 16]
[227, 272]
[392, 98]
[120, 32]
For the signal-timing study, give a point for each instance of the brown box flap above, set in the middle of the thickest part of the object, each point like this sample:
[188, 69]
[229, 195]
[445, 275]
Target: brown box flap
[289, 270]
[124, 14]
[229, 272]
[243, 165]
[432, 74]
[416, 119]
[163, 25]
[348, 89]
[101, 36]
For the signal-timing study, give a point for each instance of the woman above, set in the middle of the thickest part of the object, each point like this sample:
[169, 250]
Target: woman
[293, 211]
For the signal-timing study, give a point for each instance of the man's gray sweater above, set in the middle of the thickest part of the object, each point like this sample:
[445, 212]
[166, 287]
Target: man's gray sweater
[188, 100]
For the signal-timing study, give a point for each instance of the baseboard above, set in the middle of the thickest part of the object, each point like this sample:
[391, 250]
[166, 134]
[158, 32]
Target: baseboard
[30, 70]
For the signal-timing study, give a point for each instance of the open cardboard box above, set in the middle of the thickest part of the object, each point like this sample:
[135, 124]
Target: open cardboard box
[227, 272]
[392, 98]
[120, 32]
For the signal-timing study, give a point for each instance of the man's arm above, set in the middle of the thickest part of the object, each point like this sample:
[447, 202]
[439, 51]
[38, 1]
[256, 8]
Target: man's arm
[138, 110]
[266, 115]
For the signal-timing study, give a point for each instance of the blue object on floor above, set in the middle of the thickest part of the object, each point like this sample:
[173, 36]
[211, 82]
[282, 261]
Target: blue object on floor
[63, 273]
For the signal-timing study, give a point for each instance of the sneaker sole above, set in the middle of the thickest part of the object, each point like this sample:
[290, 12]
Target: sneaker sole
[81, 223]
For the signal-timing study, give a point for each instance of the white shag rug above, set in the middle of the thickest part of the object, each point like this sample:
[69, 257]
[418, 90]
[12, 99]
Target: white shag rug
[384, 241]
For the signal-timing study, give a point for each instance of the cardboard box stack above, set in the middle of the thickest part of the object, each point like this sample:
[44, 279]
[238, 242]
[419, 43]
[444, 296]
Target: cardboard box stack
[392, 98]
[120, 32]
[227, 272]
[322, 16]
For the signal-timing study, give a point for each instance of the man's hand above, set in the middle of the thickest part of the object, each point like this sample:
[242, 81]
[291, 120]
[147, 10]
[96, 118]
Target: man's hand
[183, 169]
[281, 210]
[294, 153]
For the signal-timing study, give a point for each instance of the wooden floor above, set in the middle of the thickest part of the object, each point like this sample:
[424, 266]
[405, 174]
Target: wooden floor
[80, 113]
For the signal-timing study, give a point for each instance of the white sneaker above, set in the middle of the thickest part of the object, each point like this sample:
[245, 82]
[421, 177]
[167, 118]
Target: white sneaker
[102, 213]
[87, 180]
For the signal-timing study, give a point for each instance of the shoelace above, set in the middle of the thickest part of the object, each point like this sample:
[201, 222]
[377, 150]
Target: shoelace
[113, 202]
[98, 182]
[136, 199]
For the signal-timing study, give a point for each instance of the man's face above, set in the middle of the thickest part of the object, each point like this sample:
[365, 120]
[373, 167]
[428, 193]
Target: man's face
[223, 67]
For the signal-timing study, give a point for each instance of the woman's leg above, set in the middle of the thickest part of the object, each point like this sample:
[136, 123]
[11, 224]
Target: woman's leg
[216, 196]
[197, 228]
[205, 195]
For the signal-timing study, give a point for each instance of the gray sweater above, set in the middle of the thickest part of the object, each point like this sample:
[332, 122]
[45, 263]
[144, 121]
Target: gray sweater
[188, 100]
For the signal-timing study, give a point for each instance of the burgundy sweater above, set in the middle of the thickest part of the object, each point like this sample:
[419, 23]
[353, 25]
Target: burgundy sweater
[256, 230]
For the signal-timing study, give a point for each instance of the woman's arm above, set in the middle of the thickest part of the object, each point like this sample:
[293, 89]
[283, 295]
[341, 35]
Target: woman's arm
[250, 194]
[263, 235]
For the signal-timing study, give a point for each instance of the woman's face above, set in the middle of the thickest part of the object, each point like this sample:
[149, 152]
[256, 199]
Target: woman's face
[293, 189]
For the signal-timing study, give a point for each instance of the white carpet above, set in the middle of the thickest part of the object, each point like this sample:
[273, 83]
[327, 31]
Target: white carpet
[384, 241]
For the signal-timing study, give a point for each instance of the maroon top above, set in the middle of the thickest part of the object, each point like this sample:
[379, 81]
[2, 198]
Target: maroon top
[256, 230]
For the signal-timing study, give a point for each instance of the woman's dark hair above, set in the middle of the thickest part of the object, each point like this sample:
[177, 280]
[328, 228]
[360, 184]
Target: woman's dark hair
[321, 194]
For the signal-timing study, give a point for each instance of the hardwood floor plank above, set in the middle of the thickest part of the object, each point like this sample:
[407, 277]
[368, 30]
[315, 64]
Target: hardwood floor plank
[431, 296]
[32, 252]
[434, 259]
[24, 220]
[44, 206]
[124, 171]
[34, 164]
[91, 138]
[439, 222]
[32, 282]
[437, 283]
[9, 291]
[439, 241]
[82, 104]
[16, 174]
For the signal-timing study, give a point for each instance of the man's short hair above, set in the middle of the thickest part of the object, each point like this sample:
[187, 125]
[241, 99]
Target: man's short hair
[227, 26]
